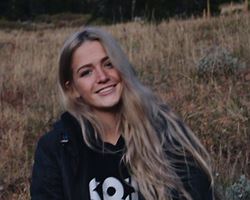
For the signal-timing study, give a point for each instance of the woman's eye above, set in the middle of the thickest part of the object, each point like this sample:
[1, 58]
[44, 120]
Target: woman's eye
[108, 64]
[85, 73]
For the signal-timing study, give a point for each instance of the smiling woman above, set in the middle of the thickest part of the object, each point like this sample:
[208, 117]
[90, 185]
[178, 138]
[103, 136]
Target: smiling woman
[95, 79]
[116, 140]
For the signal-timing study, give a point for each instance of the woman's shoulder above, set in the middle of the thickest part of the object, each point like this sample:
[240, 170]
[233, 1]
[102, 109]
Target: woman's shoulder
[55, 135]
[50, 141]
[64, 132]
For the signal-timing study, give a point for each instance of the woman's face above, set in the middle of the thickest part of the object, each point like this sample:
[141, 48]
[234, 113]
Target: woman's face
[95, 79]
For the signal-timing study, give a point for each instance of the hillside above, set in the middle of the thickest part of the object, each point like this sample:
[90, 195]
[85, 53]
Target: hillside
[200, 67]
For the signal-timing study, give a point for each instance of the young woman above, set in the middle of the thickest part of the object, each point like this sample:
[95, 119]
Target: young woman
[117, 141]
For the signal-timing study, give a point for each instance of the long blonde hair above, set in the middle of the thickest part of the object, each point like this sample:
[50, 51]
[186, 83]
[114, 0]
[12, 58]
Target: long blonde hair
[156, 140]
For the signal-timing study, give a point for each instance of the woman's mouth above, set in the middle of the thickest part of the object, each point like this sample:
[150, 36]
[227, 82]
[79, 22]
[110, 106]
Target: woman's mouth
[106, 90]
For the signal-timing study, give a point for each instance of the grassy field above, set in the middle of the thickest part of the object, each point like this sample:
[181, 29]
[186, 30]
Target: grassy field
[201, 67]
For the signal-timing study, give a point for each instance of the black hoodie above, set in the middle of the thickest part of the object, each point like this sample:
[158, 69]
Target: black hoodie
[66, 168]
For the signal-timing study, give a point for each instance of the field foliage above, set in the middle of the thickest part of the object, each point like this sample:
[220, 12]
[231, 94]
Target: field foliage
[200, 67]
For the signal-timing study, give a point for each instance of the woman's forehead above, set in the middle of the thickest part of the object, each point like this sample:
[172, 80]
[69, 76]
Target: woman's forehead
[88, 53]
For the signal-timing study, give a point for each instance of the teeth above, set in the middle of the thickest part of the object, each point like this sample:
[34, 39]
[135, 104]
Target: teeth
[106, 89]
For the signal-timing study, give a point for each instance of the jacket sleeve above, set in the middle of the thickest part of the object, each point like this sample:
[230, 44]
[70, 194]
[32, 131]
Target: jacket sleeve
[198, 184]
[46, 180]
[195, 181]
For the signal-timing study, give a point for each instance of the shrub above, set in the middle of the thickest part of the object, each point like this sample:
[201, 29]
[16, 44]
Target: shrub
[218, 61]
[240, 190]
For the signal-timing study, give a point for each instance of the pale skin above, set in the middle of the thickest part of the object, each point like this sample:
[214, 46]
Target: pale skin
[98, 83]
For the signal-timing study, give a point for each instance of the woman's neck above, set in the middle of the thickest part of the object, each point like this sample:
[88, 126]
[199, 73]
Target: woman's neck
[109, 121]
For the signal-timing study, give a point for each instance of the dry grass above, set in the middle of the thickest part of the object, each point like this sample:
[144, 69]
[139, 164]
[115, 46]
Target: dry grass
[165, 56]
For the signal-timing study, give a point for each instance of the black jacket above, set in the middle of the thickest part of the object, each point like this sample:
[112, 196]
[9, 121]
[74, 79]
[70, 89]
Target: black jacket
[59, 170]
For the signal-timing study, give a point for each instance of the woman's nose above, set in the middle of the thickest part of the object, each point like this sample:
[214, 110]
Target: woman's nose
[102, 76]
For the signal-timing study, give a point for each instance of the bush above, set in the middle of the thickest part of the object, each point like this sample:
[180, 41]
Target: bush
[240, 190]
[218, 61]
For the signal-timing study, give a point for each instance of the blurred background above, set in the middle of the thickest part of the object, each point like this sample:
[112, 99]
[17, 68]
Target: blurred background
[114, 11]
[195, 54]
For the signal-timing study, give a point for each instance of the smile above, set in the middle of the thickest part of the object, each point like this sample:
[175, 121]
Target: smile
[106, 90]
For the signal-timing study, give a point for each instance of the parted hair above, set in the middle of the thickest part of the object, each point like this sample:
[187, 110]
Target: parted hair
[157, 142]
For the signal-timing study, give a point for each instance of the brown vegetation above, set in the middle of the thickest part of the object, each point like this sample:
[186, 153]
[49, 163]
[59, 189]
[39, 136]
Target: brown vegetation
[166, 55]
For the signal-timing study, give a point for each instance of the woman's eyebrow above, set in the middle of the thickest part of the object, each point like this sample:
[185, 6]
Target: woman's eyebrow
[83, 66]
[89, 65]
[104, 59]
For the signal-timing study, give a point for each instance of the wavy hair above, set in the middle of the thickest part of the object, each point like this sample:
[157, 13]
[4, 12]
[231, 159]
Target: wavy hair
[157, 142]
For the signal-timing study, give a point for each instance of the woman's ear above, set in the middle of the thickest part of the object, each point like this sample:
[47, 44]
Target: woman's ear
[67, 85]
[72, 89]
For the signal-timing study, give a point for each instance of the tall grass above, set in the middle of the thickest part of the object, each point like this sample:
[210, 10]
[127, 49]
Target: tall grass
[165, 56]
